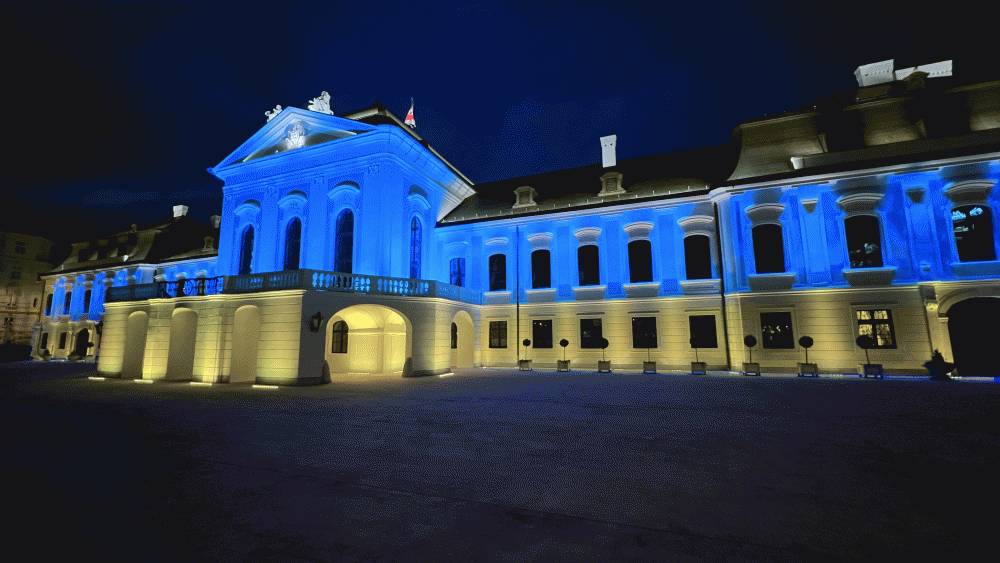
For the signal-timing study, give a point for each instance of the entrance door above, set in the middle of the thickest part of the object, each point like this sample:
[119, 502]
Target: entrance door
[81, 343]
[972, 342]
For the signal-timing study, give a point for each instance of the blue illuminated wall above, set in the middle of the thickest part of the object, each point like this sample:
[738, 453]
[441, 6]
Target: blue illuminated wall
[914, 212]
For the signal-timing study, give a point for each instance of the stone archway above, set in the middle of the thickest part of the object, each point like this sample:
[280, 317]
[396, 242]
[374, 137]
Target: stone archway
[246, 335]
[377, 341]
[135, 345]
[462, 355]
[180, 356]
[972, 346]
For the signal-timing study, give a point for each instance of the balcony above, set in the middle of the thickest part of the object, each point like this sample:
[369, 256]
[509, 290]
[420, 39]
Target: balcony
[315, 280]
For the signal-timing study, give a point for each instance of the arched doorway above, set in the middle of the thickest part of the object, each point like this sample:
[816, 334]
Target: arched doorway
[368, 340]
[80, 344]
[246, 333]
[972, 346]
[135, 345]
[180, 357]
[461, 341]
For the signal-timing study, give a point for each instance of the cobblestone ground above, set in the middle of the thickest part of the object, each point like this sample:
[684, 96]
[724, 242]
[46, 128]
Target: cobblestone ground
[498, 465]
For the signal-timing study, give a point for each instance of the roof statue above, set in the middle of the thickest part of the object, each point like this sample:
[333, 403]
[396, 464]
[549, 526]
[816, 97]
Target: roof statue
[321, 103]
[271, 114]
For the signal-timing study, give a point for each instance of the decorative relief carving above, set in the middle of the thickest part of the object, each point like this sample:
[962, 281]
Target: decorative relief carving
[271, 114]
[321, 103]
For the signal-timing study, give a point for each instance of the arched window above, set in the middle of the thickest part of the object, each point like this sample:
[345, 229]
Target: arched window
[67, 300]
[343, 251]
[415, 241]
[246, 251]
[454, 336]
[697, 257]
[48, 305]
[339, 343]
[864, 241]
[768, 249]
[588, 265]
[640, 261]
[541, 269]
[293, 244]
[973, 228]
[498, 272]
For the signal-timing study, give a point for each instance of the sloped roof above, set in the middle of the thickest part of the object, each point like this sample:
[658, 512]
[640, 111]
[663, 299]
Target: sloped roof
[649, 177]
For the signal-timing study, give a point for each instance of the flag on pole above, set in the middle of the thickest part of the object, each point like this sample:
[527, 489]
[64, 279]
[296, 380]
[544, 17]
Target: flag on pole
[410, 120]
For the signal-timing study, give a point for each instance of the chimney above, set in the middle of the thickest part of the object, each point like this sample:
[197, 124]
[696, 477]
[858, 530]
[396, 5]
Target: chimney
[180, 211]
[608, 144]
[215, 220]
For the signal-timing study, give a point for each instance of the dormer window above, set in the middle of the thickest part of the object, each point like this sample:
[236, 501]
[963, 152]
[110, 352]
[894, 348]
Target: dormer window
[524, 197]
[611, 184]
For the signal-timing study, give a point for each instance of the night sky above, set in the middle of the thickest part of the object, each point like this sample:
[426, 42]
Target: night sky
[115, 110]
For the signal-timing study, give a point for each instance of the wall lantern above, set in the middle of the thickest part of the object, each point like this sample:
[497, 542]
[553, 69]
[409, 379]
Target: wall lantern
[315, 321]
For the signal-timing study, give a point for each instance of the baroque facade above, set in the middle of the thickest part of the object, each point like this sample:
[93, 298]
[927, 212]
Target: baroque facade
[349, 246]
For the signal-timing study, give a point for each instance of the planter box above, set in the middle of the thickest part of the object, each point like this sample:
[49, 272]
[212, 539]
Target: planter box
[751, 368]
[808, 370]
[648, 367]
[872, 370]
[699, 368]
[524, 365]
[562, 365]
[604, 366]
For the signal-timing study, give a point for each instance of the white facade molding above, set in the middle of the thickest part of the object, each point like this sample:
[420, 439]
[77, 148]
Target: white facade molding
[860, 203]
[497, 241]
[972, 192]
[587, 235]
[540, 241]
[697, 225]
[639, 230]
[765, 214]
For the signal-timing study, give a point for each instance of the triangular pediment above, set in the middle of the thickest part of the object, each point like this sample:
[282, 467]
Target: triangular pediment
[290, 130]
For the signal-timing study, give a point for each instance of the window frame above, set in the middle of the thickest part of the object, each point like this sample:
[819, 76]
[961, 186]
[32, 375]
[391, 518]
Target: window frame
[715, 329]
[854, 218]
[855, 313]
[655, 333]
[580, 265]
[458, 280]
[992, 231]
[590, 343]
[341, 263]
[791, 324]
[548, 269]
[339, 337]
[534, 336]
[687, 261]
[762, 257]
[496, 270]
[497, 335]
[636, 243]
[288, 246]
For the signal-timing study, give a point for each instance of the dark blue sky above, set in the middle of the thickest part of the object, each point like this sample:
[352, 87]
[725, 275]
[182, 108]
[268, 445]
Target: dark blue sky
[115, 109]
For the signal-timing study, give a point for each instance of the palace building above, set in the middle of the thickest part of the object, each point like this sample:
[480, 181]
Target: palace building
[348, 245]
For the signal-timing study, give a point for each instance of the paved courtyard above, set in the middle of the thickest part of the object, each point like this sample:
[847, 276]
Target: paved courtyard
[500, 466]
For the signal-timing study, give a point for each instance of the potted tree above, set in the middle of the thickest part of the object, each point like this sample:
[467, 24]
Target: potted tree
[807, 369]
[938, 368]
[869, 369]
[563, 364]
[604, 365]
[525, 364]
[751, 367]
[698, 367]
[649, 365]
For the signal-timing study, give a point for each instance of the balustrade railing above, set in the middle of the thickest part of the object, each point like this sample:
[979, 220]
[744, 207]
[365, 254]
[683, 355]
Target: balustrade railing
[295, 279]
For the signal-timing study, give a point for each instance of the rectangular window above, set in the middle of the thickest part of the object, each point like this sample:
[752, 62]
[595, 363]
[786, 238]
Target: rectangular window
[541, 334]
[588, 263]
[456, 271]
[703, 334]
[498, 272]
[644, 332]
[591, 335]
[541, 274]
[20, 247]
[62, 340]
[498, 334]
[640, 261]
[877, 323]
[776, 330]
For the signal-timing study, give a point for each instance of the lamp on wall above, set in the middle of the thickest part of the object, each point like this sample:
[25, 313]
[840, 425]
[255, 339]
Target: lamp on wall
[315, 321]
